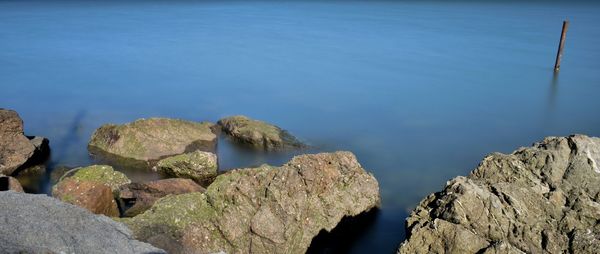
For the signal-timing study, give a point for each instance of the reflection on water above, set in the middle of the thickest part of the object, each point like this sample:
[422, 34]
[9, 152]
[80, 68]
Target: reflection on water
[419, 91]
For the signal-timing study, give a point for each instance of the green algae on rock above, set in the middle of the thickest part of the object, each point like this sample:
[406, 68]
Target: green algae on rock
[98, 173]
[261, 210]
[152, 139]
[540, 199]
[258, 133]
[139, 197]
[198, 165]
[94, 188]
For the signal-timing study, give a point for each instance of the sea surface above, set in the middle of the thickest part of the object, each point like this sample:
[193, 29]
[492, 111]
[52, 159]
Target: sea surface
[420, 91]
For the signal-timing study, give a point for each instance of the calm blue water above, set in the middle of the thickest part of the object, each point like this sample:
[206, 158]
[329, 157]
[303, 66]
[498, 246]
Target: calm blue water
[420, 91]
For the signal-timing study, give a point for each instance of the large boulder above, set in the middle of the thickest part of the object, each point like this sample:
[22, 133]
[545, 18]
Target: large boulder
[262, 210]
[148, 140]
[94, 188]
[541, 199]
[40, 224]
[16, 149]
[198, 165]
[258, 133]
[139, 197]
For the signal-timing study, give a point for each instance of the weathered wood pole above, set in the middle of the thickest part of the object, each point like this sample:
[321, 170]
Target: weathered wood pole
[563, 37]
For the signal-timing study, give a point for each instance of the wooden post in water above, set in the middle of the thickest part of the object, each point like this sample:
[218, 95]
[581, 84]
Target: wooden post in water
[563, 37]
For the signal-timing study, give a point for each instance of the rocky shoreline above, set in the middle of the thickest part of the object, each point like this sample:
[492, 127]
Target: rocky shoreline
[266, 209]
[539, 199]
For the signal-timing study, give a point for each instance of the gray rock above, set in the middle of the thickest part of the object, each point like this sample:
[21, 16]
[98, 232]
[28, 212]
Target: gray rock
[261, 210]
[16, 149]
[258, 133]
[41, 224]
[541, 199]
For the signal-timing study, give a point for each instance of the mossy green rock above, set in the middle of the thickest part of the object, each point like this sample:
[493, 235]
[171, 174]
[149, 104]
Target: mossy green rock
[261, 210]
[152, 139]
[258, 133]
[539, 199]
[100, 174]
[198, 165]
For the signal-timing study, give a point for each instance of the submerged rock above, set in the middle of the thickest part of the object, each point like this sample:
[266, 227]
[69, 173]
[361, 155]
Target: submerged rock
[151, 139]
[198, 165]
[541, 199]
[32, 178]
[94, 188]
[141, 196]
[40, 224]
[10, 183]
[58, 172]
[262, 210]
[258, 134]
[16, 149]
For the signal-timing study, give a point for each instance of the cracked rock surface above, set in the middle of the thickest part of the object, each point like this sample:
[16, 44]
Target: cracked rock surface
[540, 199]
[261, 210]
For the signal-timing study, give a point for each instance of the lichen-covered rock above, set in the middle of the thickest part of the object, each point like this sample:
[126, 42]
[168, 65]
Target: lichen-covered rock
[151, 139]
[258, 133]
[541, 199]
[96, 197]
[41, 224]
[139, 197]
[99, 174]
[261, 210]
[16, 149]
[10, 183]
[198, 165]
[94, 188]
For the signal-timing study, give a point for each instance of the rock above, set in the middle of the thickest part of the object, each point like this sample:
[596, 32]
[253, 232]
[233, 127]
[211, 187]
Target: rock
[94, 188]
[261, 210]
[148, 140]
[40, 224]
[10, 183]
[258, 134]
[17, 150]
[99, 174]
[96, 197]
[541, 199]
[143, 195]
[58, 172]
[41, 145]
[198, 165]
[32, 178]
